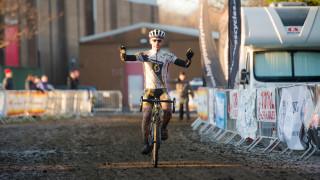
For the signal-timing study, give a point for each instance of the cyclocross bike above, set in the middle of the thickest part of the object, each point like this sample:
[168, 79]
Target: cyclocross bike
[155, 126]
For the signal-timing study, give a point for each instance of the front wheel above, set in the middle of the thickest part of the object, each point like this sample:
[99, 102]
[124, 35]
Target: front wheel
[156, 140]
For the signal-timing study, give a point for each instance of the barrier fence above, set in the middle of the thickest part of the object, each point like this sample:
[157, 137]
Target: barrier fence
[21, 105]
[107, 101]
[283, 118]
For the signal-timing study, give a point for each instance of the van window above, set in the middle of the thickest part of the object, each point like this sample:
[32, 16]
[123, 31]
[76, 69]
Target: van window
[273, 64]
[282, 66]
[307, 64]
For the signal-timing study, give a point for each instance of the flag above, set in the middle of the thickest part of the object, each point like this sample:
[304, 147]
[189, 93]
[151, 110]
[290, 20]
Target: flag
[234, 40]
[211, 66]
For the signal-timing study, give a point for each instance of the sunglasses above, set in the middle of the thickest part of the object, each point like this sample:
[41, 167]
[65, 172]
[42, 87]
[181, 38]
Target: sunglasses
[157, 40]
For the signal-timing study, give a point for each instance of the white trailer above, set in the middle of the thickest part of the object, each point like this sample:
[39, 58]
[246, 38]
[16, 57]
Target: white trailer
[279, 46]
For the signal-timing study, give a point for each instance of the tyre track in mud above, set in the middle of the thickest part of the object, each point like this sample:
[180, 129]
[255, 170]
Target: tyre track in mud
[108, 147]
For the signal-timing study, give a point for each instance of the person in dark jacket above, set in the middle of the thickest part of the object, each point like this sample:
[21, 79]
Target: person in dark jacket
[76, 76]
[184, 89]
[42, 85]
[71, 81]
[29, 84]
[7, 83]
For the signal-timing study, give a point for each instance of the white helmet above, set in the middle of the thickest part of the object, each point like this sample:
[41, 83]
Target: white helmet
[157, 33]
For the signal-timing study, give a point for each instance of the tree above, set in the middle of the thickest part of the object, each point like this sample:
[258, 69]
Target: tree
[23, 15]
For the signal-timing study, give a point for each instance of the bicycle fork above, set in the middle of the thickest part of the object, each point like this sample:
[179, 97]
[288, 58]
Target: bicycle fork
[153, 123]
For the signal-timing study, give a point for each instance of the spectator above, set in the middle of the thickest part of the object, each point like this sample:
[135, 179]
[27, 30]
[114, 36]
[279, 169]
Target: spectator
[7, 83]
[71, 81]
[42, 85]
[76, 74]
[29, 84]
[36, 79]
[184, 89]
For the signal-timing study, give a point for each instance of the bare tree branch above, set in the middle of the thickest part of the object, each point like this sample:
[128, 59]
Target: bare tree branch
[27, 18]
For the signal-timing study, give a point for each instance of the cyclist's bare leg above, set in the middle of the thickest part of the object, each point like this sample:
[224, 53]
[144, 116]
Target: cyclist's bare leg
[147, 110]
[167, 114]
[166, 107]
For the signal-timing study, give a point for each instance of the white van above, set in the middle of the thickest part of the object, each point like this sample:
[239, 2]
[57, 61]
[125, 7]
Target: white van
[279, 46]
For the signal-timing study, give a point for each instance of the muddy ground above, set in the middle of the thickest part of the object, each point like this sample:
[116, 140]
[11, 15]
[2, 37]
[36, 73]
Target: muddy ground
[108, 147]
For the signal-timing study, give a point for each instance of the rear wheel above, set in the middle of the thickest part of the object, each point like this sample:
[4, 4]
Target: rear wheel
[156, 140]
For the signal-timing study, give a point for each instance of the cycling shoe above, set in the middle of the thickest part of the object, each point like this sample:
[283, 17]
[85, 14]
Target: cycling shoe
[146, 149]
[164, 134]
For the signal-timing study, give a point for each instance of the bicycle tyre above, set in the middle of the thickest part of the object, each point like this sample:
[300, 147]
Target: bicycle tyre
[156, 141]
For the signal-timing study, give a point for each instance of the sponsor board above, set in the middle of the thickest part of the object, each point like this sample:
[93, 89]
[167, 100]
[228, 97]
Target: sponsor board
[16, 102]
[37, 102]
[233, 101]
[291, 115]
[220, 109]
[266, 109]
[202, 103]
[246, 122]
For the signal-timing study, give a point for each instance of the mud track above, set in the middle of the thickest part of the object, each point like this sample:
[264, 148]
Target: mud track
[108, 147]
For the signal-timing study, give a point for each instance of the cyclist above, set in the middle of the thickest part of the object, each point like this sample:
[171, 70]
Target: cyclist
[155, 65]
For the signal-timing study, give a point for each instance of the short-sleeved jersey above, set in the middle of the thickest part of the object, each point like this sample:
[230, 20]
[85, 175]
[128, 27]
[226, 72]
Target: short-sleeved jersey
[155, 66]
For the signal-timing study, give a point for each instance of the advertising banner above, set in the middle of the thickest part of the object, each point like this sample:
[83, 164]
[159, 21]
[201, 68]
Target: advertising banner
[16, 102]
[233, 113]
[2, 104]
[247, 123]
[266, 109]
[234, 39]
[86, 102]
[58, 102]
[220, 109]
[211, 66]
[37, 102]
[202, 106]
[291, 115]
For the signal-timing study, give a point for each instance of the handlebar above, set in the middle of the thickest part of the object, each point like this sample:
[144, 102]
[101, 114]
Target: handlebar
[158, 101]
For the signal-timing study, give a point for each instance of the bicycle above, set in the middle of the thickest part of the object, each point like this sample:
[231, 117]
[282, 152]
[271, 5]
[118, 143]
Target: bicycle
[155, 130]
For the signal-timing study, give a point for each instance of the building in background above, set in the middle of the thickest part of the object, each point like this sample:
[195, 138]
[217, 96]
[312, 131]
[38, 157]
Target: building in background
[45, 33]
[100, 63]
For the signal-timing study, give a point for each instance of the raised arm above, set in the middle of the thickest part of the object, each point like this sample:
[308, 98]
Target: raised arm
[187, 62]
[124, 56]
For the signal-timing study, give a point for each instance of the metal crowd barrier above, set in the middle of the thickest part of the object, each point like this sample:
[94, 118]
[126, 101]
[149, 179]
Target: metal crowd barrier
[26, 105]
[225, 132]
[267, 137]
[107, 101]
[231, 129]
[69, 103]
[267, 124]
